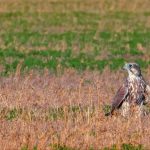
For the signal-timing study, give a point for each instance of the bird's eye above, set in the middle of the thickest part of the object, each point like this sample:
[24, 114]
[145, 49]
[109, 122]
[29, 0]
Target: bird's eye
[130, 65]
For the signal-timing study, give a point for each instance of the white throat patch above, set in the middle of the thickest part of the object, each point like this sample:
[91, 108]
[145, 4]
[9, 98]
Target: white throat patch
[132, 77]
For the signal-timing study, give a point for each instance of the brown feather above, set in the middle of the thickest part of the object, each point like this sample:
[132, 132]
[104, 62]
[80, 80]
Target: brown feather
[119, 97]
[134, 89]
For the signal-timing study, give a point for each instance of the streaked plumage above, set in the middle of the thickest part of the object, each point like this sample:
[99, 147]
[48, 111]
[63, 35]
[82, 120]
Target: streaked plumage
[134, 90]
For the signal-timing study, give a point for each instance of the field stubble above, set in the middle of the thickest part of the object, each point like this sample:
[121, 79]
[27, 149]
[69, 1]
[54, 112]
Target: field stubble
[64, 110]
[45, 111]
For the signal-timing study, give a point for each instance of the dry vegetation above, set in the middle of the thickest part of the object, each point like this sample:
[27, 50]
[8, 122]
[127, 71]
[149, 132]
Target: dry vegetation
[62, 108]
[43, 111]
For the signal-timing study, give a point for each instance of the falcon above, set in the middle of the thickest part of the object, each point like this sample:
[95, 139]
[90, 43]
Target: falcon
[133, 92]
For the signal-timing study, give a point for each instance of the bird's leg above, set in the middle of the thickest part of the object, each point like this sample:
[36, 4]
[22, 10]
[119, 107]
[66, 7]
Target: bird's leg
[139, 117]
[140, 110]
[125, 109]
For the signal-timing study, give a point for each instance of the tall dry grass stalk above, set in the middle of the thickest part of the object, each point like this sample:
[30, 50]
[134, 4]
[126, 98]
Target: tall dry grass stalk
[45, 110]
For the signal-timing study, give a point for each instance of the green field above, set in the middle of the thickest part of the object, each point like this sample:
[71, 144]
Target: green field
[57, 34]
[60, 61]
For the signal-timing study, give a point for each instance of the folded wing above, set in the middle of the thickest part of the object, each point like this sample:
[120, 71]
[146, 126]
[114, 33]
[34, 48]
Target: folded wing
[119, 98]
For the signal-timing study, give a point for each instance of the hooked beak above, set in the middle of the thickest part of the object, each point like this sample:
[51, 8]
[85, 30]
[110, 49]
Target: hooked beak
[125, 67]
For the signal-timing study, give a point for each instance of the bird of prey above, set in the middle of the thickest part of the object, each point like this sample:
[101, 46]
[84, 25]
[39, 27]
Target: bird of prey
[134, 90]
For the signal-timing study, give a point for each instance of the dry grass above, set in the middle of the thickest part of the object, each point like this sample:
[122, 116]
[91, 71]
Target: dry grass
[43, 110]
[39, 111]
[74, 5]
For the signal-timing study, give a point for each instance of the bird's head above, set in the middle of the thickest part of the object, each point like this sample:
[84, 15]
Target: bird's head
[133, 69]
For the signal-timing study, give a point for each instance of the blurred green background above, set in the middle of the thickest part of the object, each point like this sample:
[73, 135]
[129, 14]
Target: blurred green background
[84, 35]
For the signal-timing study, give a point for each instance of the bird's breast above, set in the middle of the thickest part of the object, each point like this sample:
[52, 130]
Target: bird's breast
[136, 90]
